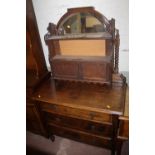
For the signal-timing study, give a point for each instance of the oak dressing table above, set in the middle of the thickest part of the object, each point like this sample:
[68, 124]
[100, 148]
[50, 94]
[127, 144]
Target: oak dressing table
[84, 98]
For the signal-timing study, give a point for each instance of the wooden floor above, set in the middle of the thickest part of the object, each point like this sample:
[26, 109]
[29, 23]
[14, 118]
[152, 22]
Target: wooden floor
[38, 145]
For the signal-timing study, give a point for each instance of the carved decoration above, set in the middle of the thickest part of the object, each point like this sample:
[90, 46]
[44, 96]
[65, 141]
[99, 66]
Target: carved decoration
[117, 43]
[112, 31]
[52, 29]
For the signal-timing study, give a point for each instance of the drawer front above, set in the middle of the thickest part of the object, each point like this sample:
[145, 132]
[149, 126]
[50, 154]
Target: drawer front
[80, 136]
[123, 131]
[77, 113]
[102, 73]
[65, 69]
[79, 124]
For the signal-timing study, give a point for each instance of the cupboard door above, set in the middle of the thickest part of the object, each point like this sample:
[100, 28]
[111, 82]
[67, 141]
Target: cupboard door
[96, 71]
[65, 69]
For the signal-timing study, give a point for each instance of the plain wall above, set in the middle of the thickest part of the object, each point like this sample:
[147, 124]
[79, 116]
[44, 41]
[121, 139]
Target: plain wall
[51, 11]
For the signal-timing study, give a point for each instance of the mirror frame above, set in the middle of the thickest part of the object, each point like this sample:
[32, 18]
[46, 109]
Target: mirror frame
[72, 11]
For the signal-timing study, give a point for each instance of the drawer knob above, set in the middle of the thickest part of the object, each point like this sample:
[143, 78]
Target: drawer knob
[92, 127]
[101, 129]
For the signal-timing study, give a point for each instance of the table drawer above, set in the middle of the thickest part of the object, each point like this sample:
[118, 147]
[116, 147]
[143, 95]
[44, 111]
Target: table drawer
[79, 124]
[80, 136]
[77, 113]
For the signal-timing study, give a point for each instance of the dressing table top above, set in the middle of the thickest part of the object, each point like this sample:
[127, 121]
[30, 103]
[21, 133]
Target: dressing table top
[86, 96]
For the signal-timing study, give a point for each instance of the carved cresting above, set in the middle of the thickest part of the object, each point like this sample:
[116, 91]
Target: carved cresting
[117, 43]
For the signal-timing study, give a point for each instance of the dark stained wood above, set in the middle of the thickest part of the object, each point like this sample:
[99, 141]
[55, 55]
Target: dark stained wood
[33, 126]
[81, 111]
[123, 133]
[84, 99]
[102, 129]
[36, 70]
[102, 73]
[81, 136]
[91, 10]
[112, 45]
[104, 99]
[114, 138]
[31, 112]
[81, 69]
[34, 40]
[75, 69]
[77, 113]
[118, 80]
[101, 35]
[117, 42]
[126, 109]
[65, 69]
[33, 120]
[119, 147]
[123, 130]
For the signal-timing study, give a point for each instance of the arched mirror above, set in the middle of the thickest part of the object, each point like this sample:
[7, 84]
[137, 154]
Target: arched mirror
[81, 23]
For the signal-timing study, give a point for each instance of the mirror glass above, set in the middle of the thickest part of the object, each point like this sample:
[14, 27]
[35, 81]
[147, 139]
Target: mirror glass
[81, 23]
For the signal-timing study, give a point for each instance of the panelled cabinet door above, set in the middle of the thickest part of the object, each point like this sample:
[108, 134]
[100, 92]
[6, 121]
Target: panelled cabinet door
[66, 69]
[82, 70]
[97, 71]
